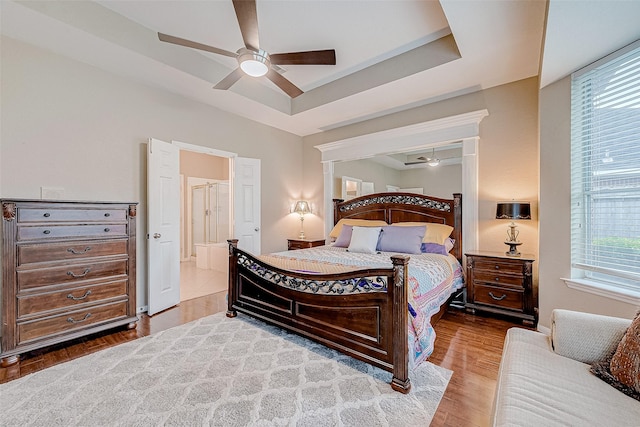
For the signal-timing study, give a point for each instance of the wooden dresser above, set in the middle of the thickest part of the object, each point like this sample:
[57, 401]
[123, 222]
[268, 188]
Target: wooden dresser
[501, 284]
[68, 270]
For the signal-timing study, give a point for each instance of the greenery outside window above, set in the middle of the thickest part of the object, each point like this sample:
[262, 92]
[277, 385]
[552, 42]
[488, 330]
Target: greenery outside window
[605, 171]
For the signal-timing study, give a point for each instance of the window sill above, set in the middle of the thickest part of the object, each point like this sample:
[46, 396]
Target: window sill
[604, 290]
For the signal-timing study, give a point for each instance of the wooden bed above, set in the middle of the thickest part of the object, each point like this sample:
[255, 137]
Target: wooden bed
[371, 326]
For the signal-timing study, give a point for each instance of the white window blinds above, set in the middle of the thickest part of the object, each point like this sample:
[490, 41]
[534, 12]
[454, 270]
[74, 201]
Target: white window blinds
[605, 169]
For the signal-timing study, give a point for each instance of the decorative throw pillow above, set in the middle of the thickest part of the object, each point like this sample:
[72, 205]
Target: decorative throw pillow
[344, 238]
[335, 232]
[436, 233]
[434, 248]
[622, 368]
[401, 239]
[364, 239]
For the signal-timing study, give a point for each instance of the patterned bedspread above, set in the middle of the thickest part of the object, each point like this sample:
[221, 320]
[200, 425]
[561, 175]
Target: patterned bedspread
[432, 279]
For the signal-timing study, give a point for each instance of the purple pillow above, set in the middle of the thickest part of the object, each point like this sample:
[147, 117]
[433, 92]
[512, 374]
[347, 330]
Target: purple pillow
[434, 248]
[407, 240]
[344, 238]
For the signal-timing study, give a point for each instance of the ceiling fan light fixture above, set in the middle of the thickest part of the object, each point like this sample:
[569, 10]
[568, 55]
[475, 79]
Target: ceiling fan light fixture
[254, 64]
[433, 160]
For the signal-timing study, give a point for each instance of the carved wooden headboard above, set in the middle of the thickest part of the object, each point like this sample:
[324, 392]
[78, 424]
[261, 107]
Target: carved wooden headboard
[405, 207]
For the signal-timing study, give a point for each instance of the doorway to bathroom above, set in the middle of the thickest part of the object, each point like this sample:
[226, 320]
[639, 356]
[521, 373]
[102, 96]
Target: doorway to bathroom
[205, 224]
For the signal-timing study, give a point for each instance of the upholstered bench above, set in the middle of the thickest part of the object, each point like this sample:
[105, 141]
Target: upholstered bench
[546, 380]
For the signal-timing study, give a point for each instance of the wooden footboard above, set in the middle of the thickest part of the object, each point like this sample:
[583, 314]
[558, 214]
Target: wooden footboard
[362, 313]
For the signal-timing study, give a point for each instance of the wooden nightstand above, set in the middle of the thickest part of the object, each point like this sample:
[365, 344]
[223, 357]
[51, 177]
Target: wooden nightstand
[304, 243]
[498, 283]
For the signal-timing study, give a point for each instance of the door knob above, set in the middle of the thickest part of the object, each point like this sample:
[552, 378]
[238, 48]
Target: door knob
[157, 235]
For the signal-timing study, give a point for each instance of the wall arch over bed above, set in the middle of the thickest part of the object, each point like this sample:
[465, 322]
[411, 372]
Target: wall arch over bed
[463, 127]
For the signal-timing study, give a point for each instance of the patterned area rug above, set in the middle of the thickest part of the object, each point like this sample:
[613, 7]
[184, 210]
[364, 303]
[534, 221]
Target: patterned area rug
[220, 372]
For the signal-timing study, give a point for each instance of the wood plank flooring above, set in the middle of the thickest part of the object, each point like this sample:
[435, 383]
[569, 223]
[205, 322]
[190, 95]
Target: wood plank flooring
[470, 346]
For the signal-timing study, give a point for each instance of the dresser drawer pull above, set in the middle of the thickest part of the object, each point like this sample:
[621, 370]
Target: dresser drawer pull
[497, 298]
[72, 320]
[47, 215]
[47, 231]
[75, 252]
[86, 294]
[107, 214]
[497, 279]
[72, 274]
[497, 267]
[106, 230]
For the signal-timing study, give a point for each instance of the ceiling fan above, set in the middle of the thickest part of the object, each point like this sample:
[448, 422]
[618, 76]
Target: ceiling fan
[431, 161]
[254, 61]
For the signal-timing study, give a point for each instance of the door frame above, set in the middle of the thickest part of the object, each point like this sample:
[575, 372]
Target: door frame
[199, 149]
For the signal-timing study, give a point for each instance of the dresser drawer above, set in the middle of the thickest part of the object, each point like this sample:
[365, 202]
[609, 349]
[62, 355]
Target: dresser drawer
[69, 321]
[71, 215]
[499, 297]
[497, 278]
[29, 279]
[497, 266]
[74, 231]
[31, 304]
[46, 252]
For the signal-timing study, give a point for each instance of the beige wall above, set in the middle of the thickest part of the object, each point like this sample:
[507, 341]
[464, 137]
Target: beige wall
[555, 208]
[440, 181]
[203, 165]
[67, 124]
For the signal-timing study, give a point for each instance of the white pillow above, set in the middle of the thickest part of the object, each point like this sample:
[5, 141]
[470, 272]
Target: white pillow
[364, 239]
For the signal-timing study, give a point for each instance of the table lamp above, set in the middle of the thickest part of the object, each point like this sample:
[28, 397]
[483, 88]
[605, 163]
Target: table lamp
[302, 208]
[513, 210]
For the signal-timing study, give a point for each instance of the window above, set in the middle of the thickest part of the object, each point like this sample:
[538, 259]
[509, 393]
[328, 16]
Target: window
[605, 171]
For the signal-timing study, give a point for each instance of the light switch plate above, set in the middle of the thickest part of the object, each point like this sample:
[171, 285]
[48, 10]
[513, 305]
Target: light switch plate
[51, 193]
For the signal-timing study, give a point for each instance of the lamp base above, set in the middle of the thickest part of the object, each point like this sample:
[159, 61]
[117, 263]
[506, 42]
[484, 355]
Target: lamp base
[513, 248]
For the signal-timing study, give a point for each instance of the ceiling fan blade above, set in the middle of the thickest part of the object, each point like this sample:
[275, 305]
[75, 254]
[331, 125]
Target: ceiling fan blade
[312, 57]
[231, 78]
[195, 45]
[248, 21]
[415, 163]
[284, 84]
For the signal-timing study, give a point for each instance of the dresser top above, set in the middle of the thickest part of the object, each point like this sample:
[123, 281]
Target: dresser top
[503, 255]
[84, 202]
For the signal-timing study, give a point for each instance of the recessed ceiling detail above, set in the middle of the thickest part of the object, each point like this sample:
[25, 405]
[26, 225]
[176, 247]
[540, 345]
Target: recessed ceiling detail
[390, 55]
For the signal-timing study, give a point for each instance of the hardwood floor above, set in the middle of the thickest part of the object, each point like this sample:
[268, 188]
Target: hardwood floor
[470, 346]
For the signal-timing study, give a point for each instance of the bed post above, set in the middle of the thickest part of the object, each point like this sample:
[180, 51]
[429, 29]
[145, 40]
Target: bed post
[233, 273]
[457, 225]
[335, 210]
[400, 381]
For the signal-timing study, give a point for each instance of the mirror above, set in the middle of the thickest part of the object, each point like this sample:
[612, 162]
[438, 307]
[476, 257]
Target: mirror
[434, 171]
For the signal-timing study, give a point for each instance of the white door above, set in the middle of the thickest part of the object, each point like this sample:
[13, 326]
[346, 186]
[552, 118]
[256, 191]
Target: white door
[163, 222]
[246, 204]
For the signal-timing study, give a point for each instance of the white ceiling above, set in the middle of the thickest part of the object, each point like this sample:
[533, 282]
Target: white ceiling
[391, 54]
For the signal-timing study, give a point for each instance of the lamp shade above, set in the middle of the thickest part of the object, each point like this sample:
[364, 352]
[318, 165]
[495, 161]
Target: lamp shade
[302, 207]
[513, 210]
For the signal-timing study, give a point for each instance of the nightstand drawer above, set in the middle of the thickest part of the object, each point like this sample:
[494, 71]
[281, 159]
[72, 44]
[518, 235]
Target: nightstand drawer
[293, 244]
[499, 297]
[500, 279]
[498, 266]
